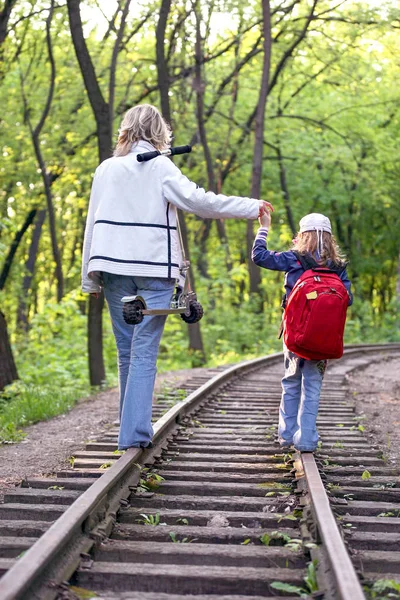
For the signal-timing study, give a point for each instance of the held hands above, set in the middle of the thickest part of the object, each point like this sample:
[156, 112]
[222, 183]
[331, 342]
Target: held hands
[264, 215]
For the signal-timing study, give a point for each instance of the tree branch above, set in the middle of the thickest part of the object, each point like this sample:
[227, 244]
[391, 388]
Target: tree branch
[162, 65]
[46, 110]
[288, 53]
[111, 22]
[308, 81]
[135, 30]
[14, 247]
[238, 66]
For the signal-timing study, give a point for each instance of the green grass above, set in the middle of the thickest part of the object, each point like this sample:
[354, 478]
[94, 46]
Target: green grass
[27, 404]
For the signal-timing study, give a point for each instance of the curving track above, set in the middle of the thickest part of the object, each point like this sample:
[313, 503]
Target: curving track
[221, 511]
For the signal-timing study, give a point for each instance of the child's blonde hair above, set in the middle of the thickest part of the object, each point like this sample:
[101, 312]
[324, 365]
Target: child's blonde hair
[307, 243]
[143, 122]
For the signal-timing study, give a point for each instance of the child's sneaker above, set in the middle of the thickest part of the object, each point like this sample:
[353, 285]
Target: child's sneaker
[284, 444]
[306, 449]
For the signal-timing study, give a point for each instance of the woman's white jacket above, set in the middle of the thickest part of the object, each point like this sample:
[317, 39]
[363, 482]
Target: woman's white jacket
[131, 222]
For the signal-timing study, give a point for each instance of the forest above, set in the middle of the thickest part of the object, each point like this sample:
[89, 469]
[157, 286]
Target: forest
[294, 101]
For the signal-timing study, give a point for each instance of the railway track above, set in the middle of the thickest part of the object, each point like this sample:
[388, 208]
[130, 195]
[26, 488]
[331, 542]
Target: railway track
[218, 509]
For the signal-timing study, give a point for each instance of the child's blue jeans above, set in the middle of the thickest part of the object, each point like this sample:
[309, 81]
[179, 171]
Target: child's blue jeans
[137, 347]
[301, 389]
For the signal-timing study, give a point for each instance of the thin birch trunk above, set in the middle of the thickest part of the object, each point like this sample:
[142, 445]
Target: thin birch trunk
[254, 271]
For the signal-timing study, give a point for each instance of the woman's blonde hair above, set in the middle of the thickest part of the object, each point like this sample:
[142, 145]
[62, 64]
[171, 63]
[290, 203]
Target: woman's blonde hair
[307, 243]
[143, 122]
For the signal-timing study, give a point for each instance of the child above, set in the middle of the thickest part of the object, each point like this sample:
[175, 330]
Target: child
[301, 384]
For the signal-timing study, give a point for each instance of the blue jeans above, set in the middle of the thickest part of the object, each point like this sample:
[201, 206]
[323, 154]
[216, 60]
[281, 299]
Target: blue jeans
[137, 347]
[301, 389]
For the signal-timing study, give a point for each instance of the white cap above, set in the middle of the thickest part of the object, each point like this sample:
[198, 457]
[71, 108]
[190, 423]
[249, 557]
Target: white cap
[315, 222]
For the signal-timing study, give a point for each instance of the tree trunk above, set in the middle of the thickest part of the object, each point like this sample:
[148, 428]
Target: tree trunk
[52, 219]
[398, 283]
[162, 65]
[201, 241]
[14, 247]
[22, 311]
[35, 135]
[285, 191]
[199, 88]
[45, 175]
[95, 339]
[8, 370]
[101, 114]
[4, 18]
[99, 106]
[254, 271]
[195, 338]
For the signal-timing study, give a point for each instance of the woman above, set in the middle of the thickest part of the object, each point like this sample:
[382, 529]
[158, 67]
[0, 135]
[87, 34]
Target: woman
[131, 247]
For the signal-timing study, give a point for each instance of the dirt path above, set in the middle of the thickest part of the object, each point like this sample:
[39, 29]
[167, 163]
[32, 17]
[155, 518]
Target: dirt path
[48, 445]
[376, 390]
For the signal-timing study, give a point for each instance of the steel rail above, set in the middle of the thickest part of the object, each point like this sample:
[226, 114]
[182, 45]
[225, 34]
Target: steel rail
[73, 523]
[69, 535]
[346, 582]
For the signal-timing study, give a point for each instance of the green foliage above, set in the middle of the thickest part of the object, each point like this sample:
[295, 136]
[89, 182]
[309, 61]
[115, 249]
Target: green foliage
[311, 577]
[390, 514]
[383, 589]
[26, 404]
[151, 482]
[82, 593]
[311, 584]
[184, 540]
[106, 465]
[52, 363]
[276, 538]
[285, 517]
[153, 520]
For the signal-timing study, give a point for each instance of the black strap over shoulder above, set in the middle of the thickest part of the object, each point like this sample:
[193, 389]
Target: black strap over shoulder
[306, 261]
[342, 268]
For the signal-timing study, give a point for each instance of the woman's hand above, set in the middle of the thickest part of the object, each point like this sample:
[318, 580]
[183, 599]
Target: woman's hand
[264, 207]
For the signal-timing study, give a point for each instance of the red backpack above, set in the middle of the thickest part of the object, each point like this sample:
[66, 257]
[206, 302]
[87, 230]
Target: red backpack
[315, 314]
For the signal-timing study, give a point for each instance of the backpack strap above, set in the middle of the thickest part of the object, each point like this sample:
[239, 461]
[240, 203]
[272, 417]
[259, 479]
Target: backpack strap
[306, 261]
[340, 270]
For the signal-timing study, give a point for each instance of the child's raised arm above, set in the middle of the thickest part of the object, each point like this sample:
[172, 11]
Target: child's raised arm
[262, 257]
